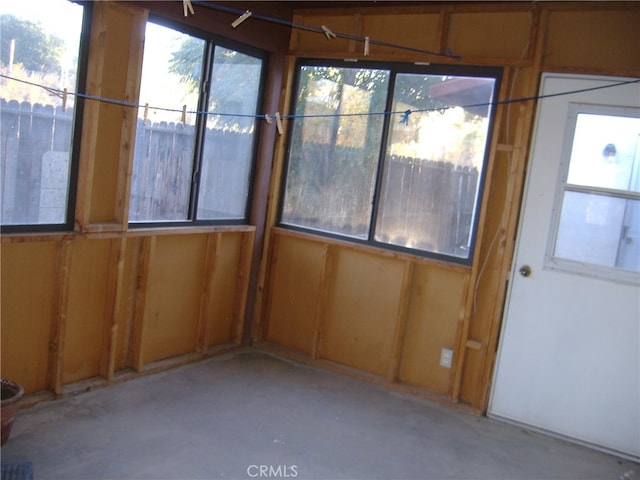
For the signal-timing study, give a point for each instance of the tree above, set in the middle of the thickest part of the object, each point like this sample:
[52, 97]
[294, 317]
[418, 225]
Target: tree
[35, 49]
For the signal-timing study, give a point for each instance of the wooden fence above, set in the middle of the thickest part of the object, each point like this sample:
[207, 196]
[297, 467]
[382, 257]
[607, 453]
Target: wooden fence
[35, 157]
[34, 162]
[424, 204]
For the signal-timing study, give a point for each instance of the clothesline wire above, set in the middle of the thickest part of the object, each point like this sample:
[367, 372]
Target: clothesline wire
[320, 30]
[405, 113]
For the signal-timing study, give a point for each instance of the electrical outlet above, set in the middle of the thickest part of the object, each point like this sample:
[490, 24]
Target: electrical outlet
[446, 357]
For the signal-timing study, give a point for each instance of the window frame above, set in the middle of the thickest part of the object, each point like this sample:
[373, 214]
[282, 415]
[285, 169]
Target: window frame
[395, 68]
[76, 137]
[211, 42]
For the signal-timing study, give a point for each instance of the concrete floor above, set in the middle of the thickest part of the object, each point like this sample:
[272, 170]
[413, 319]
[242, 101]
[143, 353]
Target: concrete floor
[252, 415]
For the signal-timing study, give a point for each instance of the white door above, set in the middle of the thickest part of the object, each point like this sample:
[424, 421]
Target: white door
[569, 354]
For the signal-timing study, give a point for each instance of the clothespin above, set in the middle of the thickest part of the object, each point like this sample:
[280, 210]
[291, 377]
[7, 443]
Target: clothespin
[184, 115]
[268, 119]
[241, 18]
[366, 46]
[64, 100]
[405, 117]
[279, 123]
[328, 33]
[186, 6]
[145, 115]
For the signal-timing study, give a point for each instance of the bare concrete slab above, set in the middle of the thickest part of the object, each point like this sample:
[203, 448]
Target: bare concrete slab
[252, 415]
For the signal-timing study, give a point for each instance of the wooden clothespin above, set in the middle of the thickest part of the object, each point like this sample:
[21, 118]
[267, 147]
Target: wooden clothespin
[184, 115]
[279, 123]
[328, 33]
[64, 100]
[241, 18]
[187, 7]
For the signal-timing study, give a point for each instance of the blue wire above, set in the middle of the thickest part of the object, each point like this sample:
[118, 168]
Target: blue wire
[405, 113]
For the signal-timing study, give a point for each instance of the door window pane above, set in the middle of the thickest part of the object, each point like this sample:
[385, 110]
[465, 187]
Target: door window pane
[40, 44]
[604, 152]
[433, 162]
[600, 230]
[599, 215]
[334, 155]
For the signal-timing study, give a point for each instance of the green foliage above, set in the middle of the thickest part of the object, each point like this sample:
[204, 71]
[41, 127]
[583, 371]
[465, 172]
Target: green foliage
[35, 49]
[186, 62]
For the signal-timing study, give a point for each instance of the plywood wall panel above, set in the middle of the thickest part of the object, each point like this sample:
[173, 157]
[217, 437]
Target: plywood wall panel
[364, 299]
[85, 311]
[295, 290]
[432, 320]
[314, 41]
[418, 31]
[608, 39]
[28, 271]
[489, 34]
[172, 300]
[223, 307]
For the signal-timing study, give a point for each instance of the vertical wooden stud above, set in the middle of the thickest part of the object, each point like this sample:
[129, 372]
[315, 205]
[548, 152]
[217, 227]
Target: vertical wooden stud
[242, 283]
[326, 277]
[401, 319]
[148, 246]
[204, 325]
[262, 320]
[59, 315]
[112, 303]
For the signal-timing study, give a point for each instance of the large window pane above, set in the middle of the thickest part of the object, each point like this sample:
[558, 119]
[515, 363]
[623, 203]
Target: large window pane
[164, 152]
[433, 162]
[229, 137]
[40, 44]
[334, 149]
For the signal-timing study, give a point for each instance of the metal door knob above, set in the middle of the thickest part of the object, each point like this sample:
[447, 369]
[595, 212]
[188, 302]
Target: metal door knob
[525, 270]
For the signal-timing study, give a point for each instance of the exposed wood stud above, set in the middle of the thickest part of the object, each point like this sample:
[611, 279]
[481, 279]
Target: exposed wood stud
[323, 298]
[204, 324]
[242, 284]
[401, 320]
[146, 256]
[59, 316]
[111, 309]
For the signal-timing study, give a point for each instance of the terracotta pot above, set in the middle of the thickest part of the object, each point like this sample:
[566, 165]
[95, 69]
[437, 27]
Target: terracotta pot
[12, 392]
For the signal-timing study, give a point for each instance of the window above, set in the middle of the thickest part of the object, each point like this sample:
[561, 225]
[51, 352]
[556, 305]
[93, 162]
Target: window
[42, 68]
[390, 155]
[197, 132]
[596, 229]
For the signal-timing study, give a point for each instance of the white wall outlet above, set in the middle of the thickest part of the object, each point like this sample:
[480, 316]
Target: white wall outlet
[446, 357]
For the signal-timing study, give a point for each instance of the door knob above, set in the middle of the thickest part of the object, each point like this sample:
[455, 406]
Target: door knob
[525, 270]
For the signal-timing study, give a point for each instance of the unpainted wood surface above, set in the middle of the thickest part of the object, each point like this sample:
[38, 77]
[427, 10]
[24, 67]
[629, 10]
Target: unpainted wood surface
[27, 311]
[173, 296]
[361, 312]
[432, 322]
[606, 39]
[294, 291]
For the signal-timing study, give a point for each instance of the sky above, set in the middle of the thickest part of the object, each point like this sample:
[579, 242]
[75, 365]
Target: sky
[54, 15]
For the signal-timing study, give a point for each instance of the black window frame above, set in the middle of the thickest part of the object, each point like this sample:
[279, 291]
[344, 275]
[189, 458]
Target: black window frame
[395, 68]
[211, 41]
[76, 137]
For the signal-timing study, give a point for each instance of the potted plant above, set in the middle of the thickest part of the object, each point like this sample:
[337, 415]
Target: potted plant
[12, 392]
